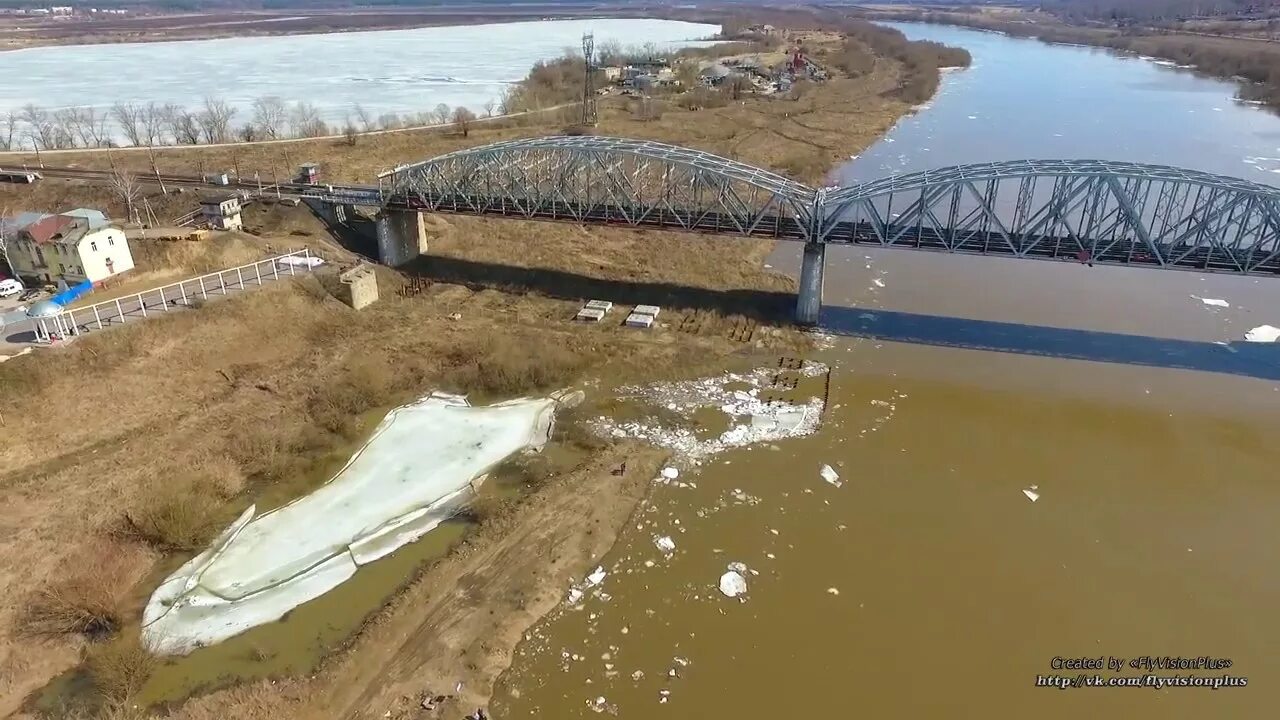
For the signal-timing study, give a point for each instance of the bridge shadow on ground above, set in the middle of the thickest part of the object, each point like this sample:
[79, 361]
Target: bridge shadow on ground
[1258, 360]
[761, 305]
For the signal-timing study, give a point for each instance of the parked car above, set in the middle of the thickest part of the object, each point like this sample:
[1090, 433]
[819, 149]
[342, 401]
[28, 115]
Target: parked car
[10, 287]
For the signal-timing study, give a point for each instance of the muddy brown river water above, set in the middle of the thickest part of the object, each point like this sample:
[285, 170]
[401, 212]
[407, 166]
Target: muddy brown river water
[930, 585]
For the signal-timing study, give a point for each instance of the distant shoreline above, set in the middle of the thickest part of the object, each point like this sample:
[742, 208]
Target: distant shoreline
[24, 34]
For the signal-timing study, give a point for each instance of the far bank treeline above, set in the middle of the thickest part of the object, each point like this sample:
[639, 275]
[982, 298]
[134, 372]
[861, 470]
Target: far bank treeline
[560, 81]
[1255, 62]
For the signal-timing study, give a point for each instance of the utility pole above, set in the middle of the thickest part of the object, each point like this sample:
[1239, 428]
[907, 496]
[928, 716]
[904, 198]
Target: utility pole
[589, 115]
[151, 151]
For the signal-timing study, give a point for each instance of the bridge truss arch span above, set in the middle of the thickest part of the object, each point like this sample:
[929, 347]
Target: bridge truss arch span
[608, 180]
[1107, 212]
[1110, 212]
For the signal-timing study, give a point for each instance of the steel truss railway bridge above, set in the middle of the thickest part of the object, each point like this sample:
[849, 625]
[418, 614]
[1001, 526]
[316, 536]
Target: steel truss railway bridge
[1112, 213]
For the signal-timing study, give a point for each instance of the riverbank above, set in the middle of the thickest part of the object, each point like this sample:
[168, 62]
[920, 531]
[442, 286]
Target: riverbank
[21, 33]
[1252, 62]
[242, 381]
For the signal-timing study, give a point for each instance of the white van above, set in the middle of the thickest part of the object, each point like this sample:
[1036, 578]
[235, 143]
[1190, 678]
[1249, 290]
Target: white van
[9, 287]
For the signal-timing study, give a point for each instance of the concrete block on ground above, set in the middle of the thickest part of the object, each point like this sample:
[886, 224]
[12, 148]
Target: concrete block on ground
[589, 315]
[650, 310]
[604, 305]
[359, 286]
[639, 320]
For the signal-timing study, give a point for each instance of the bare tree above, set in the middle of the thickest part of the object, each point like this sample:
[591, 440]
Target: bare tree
[85, 126]
[441, 114]
[351, 134]
[269, 116]
[215, 120]
[248, 132]
[610, 53]
[389, 121]
[129, 118]
[363, 117]
[489, 105]
[10, 129]
[509, 100]
[462, 119]
[153, 124]
[184, 125]
[304, 121]
[40, 126]
[127, 189]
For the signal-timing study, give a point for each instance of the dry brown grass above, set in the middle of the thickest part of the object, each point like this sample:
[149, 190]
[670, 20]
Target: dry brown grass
[494, 366]
[175, 513]
[119, 668]
[90, 599]
[366, 384]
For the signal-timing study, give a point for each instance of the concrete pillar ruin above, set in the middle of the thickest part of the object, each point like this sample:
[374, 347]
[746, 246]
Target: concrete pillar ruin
[809, 300]
[402, 236]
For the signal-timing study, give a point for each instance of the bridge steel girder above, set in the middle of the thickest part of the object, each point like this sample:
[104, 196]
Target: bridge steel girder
[608, 180]
[1118, 213]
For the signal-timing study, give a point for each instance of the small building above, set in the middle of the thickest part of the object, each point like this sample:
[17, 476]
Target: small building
[308, 173]
[221, 212]
[612, 74]
[74, 246]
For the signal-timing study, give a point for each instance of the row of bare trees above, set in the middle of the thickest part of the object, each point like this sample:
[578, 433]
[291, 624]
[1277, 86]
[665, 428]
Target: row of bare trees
[153, 124]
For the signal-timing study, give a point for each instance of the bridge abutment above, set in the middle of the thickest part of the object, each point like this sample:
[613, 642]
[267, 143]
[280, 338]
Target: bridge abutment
[809, 300]
[402, 236]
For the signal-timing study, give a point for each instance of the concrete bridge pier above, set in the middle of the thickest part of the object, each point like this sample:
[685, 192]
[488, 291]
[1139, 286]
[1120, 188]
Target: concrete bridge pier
[809, 301]
[402, 236]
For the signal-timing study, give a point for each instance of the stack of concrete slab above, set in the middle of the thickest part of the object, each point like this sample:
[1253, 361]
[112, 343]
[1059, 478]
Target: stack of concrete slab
[594, 311]
[643, 316]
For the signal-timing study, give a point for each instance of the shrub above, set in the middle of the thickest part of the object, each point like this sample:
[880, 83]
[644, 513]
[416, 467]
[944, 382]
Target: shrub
[90, 600]
[175, 514]
[335, 406]
[119, 668]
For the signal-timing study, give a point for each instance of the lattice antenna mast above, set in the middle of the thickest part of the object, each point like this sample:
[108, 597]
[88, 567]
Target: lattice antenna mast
[589, 116]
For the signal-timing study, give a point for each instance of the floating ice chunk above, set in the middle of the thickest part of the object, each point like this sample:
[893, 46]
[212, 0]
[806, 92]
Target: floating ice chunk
[830, 475]
[878, 282]
[1215, 302]
[738, 567]
[1263, 333]
[665, 544]
[1032, 495]
[670, 473]
[574, 596]
[833, 591]
[596, 577]
[732, 584]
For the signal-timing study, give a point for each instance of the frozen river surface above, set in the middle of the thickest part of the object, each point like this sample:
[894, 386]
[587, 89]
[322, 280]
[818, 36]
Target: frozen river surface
[396, 71]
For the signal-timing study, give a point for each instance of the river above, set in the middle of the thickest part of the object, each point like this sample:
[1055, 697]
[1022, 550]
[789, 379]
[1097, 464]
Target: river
[929, 585]
[389, 71]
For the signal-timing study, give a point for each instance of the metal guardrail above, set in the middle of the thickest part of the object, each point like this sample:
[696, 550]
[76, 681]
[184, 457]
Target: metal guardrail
[77, 321]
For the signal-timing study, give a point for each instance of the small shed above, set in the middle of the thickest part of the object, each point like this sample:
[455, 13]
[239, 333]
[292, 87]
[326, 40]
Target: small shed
[309, 173]
[221, 212]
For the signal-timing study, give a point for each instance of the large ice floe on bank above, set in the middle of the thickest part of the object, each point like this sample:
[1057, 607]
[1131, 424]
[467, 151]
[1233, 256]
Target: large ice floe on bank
[414, 472]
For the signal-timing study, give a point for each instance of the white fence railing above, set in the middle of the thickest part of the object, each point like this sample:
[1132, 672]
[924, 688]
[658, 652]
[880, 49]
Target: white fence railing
[183, 293]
